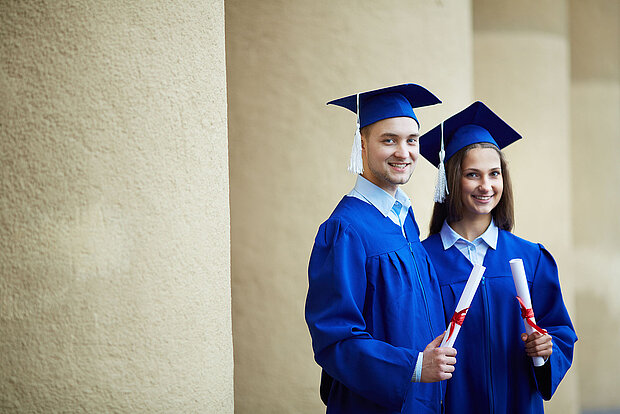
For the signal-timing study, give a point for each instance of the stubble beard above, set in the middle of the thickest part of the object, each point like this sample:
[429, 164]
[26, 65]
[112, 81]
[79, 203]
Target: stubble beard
[388, 178]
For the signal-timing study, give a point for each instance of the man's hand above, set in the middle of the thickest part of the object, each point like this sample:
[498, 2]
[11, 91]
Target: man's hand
[537, 344]
[437, 363]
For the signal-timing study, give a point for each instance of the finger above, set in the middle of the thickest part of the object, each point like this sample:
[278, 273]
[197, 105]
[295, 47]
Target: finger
[533, 345]
[435, 342]
[441, 355]
[449, 368]
[450, 352]
[445, 376]
[438, 340]
[538, 338]
[542, 350]
[544, 353]
[538, 347]
[524, 337]
[536, 350]
[533, 336]
[541, 341]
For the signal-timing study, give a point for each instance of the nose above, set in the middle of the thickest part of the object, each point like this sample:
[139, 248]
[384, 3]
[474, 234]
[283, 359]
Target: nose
[402, 150]
[485, 185]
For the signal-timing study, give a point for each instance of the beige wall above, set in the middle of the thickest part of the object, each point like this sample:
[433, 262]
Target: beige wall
[522, 69]
[595, 126]
[114, 246]
[289, 152]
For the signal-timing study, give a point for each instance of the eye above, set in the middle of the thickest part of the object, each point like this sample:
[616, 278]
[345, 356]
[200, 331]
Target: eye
[471, 175]
[412, 141]
[388, 140]
[495, 174]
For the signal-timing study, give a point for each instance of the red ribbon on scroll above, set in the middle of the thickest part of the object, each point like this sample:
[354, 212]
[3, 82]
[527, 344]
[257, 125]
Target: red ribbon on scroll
[528, 315]
[457, 319]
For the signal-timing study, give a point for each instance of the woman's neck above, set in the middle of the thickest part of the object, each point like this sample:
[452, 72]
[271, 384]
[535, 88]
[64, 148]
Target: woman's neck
[471, 228]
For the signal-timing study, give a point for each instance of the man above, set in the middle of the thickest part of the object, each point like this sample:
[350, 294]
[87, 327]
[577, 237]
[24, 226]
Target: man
[374, 307]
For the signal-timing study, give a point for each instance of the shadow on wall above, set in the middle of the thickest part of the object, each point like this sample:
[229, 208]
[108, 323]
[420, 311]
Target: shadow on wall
[589, 328]
[611, 411]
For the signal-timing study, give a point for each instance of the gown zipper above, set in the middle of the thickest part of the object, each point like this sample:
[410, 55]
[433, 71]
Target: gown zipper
[417, 270]
[415, 262]
[428, 314]
[488, 341]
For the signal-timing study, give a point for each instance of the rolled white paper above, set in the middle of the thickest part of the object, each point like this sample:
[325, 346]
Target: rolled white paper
[464, 302]
[518, 275]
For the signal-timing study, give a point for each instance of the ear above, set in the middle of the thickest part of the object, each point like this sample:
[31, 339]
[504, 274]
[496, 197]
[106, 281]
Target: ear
[363, 135]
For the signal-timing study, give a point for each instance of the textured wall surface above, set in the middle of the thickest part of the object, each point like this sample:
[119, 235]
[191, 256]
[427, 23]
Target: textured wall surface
[289, 153]
[549, 68]
[114, 218]
[522, 69]
[595, 122]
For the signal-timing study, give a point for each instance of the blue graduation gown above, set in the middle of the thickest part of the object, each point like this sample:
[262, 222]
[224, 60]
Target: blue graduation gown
[373, 304]
[493, 374]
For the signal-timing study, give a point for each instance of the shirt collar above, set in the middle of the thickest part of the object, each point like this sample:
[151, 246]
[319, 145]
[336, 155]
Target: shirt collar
[378, 197]
[449, 236]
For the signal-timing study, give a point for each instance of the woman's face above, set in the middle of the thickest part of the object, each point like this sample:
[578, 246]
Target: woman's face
[481, 182]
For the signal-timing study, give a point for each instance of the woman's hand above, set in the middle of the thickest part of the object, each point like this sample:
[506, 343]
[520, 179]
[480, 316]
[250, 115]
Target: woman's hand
[537, 344]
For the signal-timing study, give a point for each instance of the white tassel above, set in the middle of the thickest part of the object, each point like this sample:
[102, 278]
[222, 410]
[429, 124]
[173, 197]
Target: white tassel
[441, 188]
[356, 165]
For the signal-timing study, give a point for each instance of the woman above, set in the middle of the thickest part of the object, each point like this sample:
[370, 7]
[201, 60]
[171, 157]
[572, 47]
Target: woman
[472, 223]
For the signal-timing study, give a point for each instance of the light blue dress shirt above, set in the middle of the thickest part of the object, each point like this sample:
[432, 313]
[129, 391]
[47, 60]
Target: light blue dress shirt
[384, 202]
[475, 250]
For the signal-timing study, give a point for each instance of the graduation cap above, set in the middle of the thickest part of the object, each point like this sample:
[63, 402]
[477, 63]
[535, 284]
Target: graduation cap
[373, 106]
[474, 124]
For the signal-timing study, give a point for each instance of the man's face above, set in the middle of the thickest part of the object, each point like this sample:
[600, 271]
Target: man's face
[390, 150]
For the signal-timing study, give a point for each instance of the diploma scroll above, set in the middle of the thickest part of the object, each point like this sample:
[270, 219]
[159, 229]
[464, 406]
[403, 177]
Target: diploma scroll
[463, 305]
[525, 302]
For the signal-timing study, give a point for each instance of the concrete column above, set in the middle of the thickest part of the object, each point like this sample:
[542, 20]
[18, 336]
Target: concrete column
[289, 153]
[114, 218]
[522, 70]
[595, 122]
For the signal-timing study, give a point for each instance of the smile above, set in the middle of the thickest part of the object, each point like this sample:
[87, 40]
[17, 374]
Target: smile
[398, 165]
[482, 198]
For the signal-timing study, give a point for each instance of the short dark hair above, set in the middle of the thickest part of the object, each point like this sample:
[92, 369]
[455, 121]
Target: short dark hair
[364, 131]
[452, 207]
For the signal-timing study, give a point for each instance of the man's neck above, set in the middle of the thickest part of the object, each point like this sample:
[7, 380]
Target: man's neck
[390, 189]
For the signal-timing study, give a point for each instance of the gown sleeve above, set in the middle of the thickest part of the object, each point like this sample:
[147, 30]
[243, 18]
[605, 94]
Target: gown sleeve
[551, 314]
[342, 345]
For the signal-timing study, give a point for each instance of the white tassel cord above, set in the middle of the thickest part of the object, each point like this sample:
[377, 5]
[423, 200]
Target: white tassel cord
[441, 187]
[356, 165]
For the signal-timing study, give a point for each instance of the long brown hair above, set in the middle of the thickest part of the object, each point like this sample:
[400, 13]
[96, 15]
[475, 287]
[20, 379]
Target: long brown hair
[452, 207]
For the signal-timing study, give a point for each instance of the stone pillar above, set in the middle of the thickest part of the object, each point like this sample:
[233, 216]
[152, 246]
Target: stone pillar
[521, 69]
[114, 247]
[595, 122]
[289, 153]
